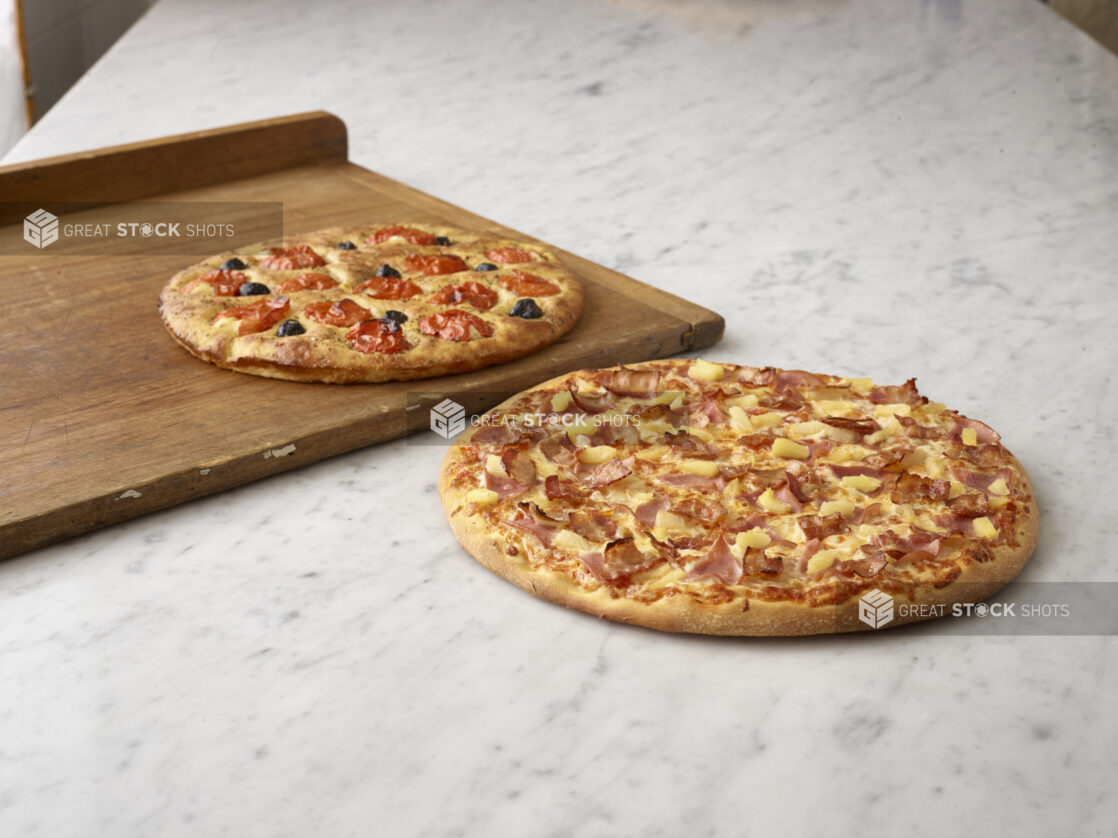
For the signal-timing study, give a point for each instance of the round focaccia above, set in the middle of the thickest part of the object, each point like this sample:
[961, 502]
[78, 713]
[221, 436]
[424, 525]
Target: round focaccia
[374, 303]
[711, 498]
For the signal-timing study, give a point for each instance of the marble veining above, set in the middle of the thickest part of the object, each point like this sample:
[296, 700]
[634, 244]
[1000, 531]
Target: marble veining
[864, 187]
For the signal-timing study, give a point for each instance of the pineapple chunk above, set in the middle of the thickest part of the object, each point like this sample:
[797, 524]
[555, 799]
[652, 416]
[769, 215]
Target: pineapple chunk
[833, 407]
[544, 468]
[802, 429]
[957, 489]
[481, 497]
[597, 454]
[934, 407]
[572, 542]
[756, 537]
[861, 482]
[653, 452]
[836, 507]
[998, 487]
[914, 457]
[861, 386]
[766, 420]
[846, 453]
[494, 466]
[744, 402]
[887, 430]
[701, 433]
[822, 560]
[677, 402]
[984, 529]
[669, 521]
[561, 401]
[706, 468]
[998, 502]
[790, 450]
[884, 410]
[768, 502]
[706, 371]
[739, 418]
[578, 429]
[969, 436]
[933, 467]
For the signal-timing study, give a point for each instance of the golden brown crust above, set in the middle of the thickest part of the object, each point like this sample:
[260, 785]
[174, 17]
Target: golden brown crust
[323, 354]
[740, 615]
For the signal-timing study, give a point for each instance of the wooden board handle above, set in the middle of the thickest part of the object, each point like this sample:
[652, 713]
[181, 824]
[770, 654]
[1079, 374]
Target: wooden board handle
[171, 164]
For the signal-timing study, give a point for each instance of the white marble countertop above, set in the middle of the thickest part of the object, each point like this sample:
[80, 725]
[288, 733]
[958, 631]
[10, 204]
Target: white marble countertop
[865, 187]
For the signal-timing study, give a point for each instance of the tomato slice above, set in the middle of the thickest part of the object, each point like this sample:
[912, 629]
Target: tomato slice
[474, 293]
[433, 265]
[454, 324]
[307, 282]
[223, 283]
[528, 285]
[388, 288]
[338, 313]
[509, 255]
[291, 258]
[257, 317]
[377, 336]
[408, 234]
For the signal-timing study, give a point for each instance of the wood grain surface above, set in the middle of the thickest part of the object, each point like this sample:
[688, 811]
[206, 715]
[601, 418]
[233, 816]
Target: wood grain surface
[103, 417]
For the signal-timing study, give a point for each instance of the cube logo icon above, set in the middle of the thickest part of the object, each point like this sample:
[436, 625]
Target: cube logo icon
[448, 418]
[875, 608]
[40, 228]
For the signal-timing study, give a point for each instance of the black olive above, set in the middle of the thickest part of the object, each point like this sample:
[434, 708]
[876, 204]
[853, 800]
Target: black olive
[388, 270]
[233, 264]
[526, 308]
[288, 328]
[252, 289]
[396, 316]
[486, 266]
[346, 246]
[443, 240]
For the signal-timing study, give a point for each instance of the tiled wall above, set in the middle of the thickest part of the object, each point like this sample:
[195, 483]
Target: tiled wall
[65, 37]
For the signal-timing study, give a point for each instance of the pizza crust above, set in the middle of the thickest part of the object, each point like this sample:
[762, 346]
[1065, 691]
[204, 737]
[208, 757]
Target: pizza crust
[754, 617]
[322, 355]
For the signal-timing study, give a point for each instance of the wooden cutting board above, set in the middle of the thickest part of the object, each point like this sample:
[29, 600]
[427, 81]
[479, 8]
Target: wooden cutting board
[103, 417]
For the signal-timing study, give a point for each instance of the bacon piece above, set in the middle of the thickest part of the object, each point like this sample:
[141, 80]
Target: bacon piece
[969, 506]
[860, 426]
[983, 456]
[718, 563]
[501, 434]
[595, 563]
[802, 481]
[690, 542]
[694, 481]
[816, 526]
[914, 430]
[530, 518]
[904, 394]
[865, 514]
[710, 409]
[519, 465]
[755, 377]
[986, 435]
[760, 563]
[981, 480]
[647, 511]
[870, 566]
[786, 379]
[555, 488]
[560, 451]
[592, 525]
[504, 486]
[757, 441]
[632, 383]
[591, 402]
[704, 510]
[608, 472]
[656, 412]
[782, 400]
[912, 487]
[622, 557]
[850, 471]
[689, 446]
[784, 495]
